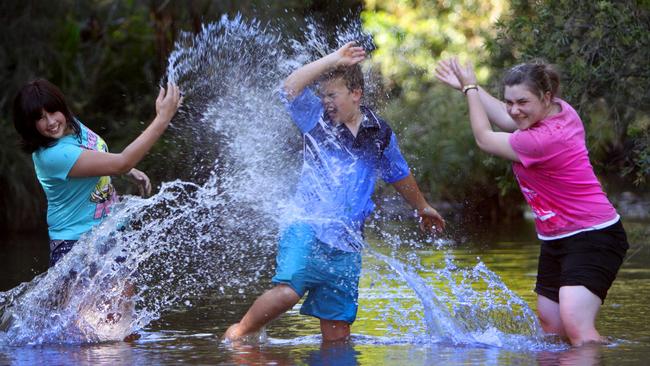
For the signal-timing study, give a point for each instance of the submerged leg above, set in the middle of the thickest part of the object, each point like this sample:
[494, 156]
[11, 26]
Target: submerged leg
[334, 330]
[549, 316]
[267, 307]
[578, 310]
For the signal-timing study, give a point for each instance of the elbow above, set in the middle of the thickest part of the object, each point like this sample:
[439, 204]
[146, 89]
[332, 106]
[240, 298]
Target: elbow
[482, 143]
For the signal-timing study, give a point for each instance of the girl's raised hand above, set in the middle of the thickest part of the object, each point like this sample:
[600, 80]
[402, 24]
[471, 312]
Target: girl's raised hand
[465, 74]
[445, 74]
[349, 54]
[168, 102]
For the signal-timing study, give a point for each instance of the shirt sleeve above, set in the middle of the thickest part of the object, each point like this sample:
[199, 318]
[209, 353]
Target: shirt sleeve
[529, 147]
[56, 161]
[305, 110]
[393, 165]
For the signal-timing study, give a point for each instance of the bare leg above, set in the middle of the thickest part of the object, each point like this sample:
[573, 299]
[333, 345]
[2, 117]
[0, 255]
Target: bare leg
[549, 316]
[267, 307]
[578, 310]
[334, 330]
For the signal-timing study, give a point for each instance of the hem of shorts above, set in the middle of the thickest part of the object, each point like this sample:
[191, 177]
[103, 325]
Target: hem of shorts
[602, 299]
[600, 226]
[347, 320]
[546, 295]
[288, 283]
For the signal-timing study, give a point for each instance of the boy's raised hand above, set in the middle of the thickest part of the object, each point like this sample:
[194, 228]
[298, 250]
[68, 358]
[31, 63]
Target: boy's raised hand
[445, 74]
[349, 54]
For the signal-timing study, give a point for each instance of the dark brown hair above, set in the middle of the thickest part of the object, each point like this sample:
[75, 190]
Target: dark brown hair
[29, 103]
[352, 75]
[538, 76]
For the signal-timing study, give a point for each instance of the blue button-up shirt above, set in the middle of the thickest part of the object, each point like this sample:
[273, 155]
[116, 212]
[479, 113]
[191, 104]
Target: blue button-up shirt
[340, 170]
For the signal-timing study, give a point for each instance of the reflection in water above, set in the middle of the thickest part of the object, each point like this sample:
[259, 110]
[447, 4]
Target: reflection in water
[586, 355]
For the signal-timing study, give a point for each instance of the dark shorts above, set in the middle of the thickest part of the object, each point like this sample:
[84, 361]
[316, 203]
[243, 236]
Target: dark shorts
[590, 259]
[61, 248]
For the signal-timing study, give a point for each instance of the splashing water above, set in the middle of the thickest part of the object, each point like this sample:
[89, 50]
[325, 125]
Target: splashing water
[151, 255]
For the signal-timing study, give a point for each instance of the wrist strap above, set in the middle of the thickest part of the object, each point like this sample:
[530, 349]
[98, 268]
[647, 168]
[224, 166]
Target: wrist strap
[467, 87]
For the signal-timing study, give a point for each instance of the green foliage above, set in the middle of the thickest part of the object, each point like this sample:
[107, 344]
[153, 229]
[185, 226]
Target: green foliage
[602, 49]
[431, 119]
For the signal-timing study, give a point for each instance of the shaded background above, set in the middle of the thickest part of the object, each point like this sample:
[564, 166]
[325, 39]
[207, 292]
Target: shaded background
[109, 56]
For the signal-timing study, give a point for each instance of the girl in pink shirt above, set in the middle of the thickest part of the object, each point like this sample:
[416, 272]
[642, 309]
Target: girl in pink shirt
[583, 240]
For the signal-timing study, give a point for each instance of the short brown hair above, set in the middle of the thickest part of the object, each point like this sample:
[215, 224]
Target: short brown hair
[352, 75]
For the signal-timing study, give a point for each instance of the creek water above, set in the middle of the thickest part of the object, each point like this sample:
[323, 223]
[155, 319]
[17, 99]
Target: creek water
[181, 266]
[390, 328]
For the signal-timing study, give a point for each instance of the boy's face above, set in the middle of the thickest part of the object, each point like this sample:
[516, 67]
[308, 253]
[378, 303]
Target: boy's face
[341, 104]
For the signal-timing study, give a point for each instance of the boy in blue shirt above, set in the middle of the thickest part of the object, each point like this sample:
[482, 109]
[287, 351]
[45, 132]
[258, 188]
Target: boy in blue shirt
[346, 146]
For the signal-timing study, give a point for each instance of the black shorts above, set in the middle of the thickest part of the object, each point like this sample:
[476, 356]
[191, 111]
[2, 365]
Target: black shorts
[590, 259]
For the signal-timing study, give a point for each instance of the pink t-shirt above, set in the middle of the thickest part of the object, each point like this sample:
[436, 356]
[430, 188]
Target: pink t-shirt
[556, 177]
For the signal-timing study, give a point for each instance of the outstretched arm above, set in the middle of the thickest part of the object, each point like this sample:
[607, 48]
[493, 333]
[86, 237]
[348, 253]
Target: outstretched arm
[93, 163]
[429, 217]
[496, 143]
[494, 108]
[298, 80]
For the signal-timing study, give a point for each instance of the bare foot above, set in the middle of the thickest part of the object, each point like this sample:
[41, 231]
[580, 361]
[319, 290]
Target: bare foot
[232, 334]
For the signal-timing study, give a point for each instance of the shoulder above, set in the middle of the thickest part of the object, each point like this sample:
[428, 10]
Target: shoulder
[568, 115]
[61, 146]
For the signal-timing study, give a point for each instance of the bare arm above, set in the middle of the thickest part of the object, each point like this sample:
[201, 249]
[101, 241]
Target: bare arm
[429, 217]
[307, 74]
[93, 163]
[496, 143]
[496, 111]
[494, 108]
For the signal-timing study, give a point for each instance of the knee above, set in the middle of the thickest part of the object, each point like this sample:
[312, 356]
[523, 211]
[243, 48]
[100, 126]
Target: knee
[551, 324]
[288, 295]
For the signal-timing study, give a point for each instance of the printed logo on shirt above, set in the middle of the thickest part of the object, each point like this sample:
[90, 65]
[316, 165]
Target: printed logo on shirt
[104, 193]
[536, 205]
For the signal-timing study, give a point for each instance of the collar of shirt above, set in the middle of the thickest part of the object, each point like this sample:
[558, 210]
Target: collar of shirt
[369, 120]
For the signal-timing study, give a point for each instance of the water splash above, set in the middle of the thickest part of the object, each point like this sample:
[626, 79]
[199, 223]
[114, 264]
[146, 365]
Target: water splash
[152, 255]
[449, 304]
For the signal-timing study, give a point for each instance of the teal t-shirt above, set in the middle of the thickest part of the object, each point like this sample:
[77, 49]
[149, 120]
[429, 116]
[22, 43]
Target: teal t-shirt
[74, 205]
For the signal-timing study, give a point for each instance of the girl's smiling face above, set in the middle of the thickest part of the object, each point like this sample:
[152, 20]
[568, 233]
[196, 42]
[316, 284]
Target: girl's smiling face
[525, 107]
[52, 125]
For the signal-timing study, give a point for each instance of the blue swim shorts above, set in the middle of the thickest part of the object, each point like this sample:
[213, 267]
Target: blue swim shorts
[330, 276]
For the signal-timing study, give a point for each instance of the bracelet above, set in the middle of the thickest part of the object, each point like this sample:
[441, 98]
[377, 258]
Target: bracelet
[468, 87]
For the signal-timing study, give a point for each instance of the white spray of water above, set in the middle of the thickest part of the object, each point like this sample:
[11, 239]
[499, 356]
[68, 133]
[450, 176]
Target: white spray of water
[190, 239]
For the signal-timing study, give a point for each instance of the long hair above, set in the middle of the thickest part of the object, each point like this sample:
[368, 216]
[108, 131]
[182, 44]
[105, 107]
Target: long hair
[29, 103]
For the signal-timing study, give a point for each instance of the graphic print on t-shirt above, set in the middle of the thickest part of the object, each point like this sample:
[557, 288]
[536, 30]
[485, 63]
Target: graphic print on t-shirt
[104, 194]
[545, 215]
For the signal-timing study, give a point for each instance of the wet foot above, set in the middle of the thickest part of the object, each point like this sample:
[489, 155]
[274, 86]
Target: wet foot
[232, 333]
